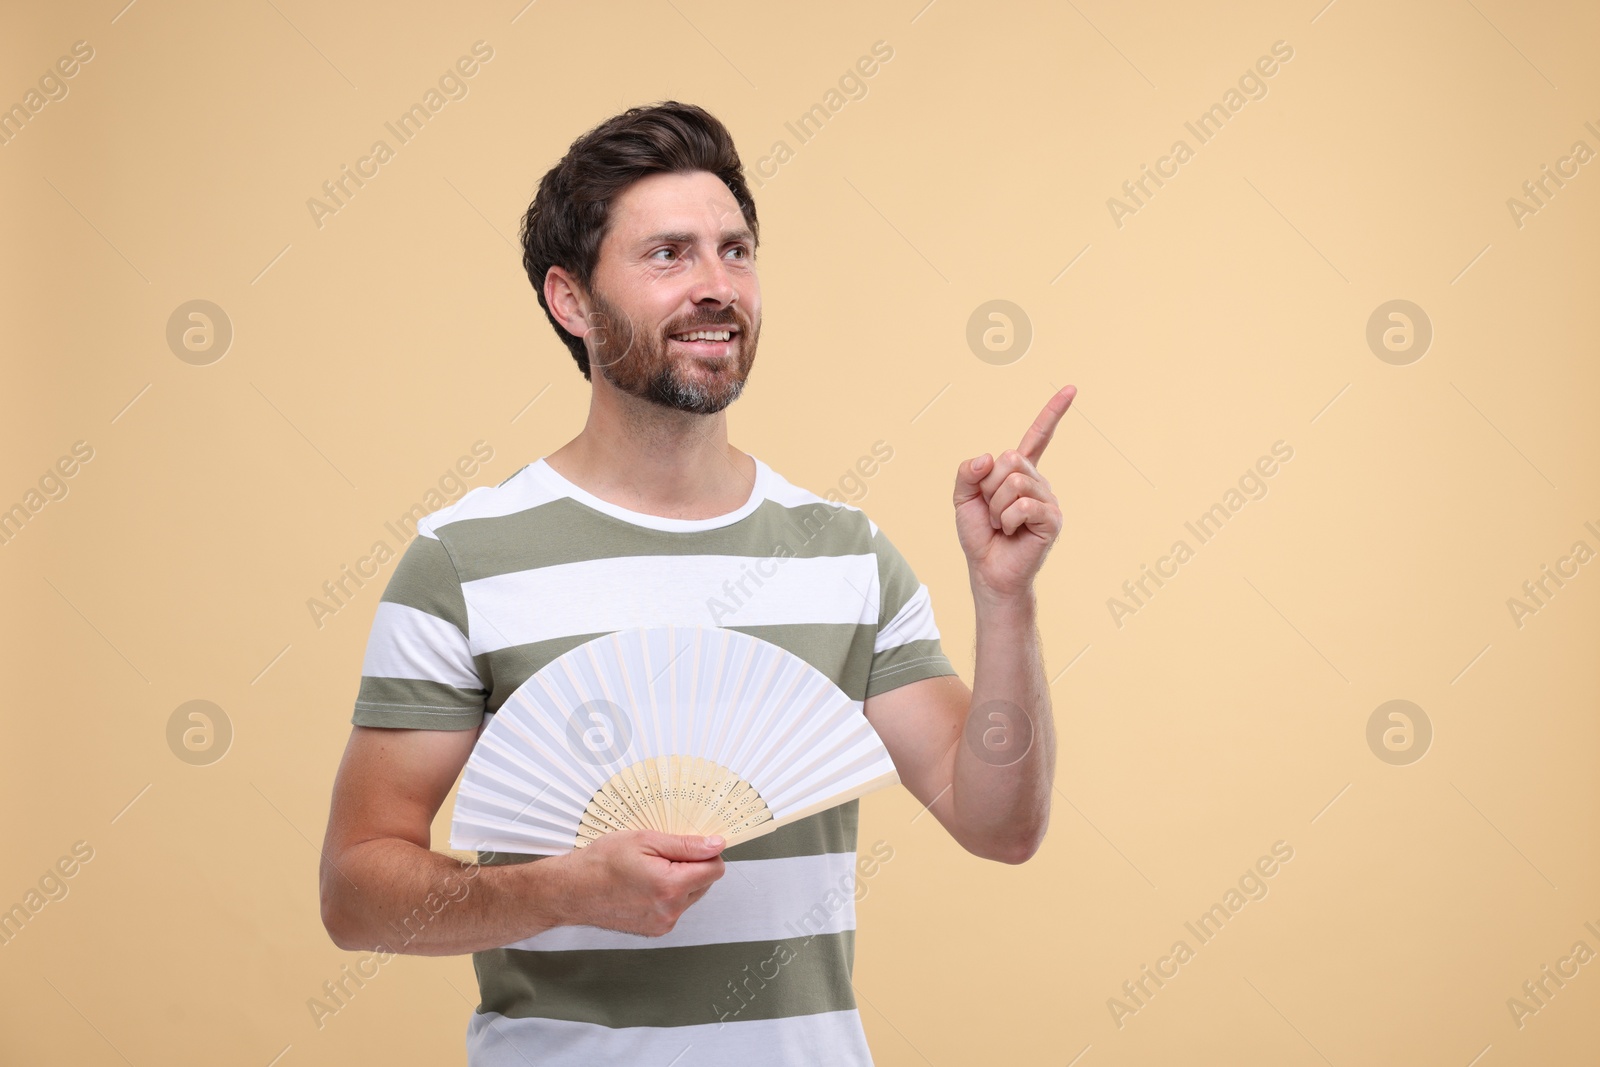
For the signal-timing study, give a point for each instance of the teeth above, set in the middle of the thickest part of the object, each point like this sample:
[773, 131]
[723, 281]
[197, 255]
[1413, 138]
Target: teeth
[704, 335]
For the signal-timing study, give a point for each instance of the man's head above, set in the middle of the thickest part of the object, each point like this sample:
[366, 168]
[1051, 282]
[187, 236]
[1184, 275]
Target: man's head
[646, 230]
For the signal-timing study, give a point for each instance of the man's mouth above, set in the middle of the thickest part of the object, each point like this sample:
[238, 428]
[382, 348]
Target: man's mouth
[707, 342]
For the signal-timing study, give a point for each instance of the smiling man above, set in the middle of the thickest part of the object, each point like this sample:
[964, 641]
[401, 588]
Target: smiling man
[647, 947]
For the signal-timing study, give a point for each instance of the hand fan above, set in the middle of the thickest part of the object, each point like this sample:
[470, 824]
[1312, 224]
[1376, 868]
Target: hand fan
[685, 729]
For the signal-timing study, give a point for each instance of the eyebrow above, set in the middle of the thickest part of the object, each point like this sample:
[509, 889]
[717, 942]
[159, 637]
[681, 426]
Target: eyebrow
[684, 237]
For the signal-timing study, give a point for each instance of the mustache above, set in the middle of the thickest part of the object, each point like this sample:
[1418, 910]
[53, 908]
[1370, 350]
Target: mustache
[725, 319]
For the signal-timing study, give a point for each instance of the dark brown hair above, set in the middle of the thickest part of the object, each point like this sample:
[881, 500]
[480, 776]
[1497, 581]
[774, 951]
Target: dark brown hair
[571, 212]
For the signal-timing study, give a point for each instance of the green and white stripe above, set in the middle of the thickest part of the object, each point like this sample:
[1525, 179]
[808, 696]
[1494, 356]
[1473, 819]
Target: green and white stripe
[508, 578]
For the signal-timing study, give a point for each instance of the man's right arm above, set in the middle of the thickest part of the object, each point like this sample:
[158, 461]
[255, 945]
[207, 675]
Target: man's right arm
[379, 877]
[382, 887]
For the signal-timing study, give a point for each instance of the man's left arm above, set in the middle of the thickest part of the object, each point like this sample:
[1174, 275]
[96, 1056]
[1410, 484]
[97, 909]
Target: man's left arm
[982, 760]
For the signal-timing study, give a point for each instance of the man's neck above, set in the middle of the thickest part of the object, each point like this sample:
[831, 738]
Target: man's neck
[669, 464]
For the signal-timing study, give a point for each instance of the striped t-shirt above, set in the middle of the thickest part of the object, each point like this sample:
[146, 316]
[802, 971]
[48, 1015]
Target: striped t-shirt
[508, 578]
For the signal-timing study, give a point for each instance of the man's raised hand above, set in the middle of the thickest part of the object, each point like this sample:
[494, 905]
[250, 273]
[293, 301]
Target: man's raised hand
[1006, 516]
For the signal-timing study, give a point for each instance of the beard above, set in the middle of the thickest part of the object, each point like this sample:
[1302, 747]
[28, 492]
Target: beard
[642, 363]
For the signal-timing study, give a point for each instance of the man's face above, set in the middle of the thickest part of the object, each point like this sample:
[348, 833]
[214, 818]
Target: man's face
[678, 258]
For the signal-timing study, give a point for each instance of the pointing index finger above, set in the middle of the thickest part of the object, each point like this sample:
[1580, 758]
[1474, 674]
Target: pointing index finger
[1044, 427]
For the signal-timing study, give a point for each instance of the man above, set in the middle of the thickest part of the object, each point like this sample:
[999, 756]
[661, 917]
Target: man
[641, 948]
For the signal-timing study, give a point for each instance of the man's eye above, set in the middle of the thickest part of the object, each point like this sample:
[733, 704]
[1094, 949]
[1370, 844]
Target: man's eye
[658, 251]
[744, 253]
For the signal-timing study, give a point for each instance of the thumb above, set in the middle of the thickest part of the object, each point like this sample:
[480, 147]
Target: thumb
[688, 846]
[968, 477]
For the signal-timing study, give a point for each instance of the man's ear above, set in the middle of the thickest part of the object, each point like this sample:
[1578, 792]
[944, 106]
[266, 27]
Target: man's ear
[567, 300]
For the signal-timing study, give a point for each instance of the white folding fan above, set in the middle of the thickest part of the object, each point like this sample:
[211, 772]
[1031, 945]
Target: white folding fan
[685, 729]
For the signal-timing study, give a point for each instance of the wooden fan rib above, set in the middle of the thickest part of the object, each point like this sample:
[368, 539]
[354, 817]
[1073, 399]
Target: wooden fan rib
[842, 772]
[860, 789]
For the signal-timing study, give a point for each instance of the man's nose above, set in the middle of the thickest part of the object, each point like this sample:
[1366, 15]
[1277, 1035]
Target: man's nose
[714, 281]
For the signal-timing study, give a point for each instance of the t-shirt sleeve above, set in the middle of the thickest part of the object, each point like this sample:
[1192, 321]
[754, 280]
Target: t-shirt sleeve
[418, 672]
[907, 645]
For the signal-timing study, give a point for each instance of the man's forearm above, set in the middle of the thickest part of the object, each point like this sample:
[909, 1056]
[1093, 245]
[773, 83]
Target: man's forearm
[1002, 805]
[390, 894]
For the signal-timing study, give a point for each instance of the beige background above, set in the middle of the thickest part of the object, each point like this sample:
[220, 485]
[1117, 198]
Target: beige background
[1228, 313]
